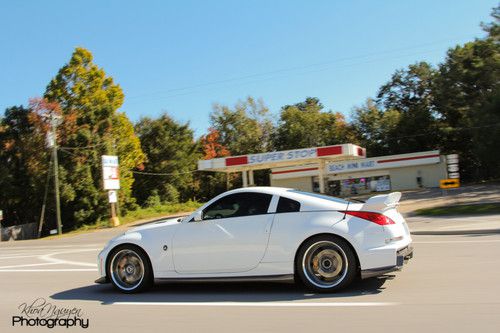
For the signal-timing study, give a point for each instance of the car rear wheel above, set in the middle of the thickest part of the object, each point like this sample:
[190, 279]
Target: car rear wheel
[326, 264]
[129, 269]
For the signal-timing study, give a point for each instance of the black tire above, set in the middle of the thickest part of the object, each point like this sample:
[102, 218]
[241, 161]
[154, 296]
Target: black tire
[135, 273]
[325, 263]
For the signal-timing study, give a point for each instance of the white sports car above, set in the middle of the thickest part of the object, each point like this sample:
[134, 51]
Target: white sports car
[264, 233]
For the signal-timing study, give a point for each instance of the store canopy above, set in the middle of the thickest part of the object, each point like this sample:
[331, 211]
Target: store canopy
[283, 158]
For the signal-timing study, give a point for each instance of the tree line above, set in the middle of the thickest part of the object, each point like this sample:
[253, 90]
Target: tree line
[454, 107]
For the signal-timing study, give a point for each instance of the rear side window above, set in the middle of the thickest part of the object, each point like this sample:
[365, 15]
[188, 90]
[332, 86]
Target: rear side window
[286, 205]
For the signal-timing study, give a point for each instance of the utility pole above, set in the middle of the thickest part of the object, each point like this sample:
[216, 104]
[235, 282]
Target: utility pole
[54, 122]
[42, 214]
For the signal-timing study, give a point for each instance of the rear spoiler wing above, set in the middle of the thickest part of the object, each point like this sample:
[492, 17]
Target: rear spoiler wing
[382, 202]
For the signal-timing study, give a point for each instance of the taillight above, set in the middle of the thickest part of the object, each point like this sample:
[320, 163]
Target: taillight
[377, 218]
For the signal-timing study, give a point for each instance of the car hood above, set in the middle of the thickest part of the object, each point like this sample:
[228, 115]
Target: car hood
[154, 225]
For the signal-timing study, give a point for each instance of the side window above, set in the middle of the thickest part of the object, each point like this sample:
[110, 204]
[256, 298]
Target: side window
[238, 204]
[286, 205]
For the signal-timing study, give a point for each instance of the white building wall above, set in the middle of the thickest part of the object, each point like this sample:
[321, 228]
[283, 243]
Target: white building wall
[406, 178]
[402, 178]
[300, 183]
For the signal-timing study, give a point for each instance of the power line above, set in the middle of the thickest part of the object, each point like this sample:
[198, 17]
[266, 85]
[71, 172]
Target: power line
[67, 152]
[142, 172]
[282, 70]
[284, 75]
[87, 147]
[448, 129]
[163, 174]
[401, 137]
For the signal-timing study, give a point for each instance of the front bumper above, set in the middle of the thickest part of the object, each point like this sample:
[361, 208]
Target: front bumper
[102, 280]
[402, 256]
[101, 260]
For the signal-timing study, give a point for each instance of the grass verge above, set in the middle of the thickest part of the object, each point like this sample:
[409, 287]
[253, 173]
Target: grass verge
[158, 211]
[142, 214]
[471, 209]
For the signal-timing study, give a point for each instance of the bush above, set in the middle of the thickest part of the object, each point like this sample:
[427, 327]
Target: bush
[171, 194]
[153, 200]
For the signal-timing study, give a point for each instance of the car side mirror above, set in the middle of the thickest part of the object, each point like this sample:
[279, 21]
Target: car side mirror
[198, 216]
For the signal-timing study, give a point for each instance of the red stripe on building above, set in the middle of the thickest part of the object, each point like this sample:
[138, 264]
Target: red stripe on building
[295, 170]
[360, 151]
[327, 151]
[240, 160]
[407, 158]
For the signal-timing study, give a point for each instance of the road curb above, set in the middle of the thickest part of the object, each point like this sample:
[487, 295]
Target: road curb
[457, 232]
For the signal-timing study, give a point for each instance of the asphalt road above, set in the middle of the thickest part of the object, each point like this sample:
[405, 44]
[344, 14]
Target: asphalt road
[451, 285]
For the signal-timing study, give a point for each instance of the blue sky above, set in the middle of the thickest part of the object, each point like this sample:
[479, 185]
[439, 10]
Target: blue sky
[180, 57]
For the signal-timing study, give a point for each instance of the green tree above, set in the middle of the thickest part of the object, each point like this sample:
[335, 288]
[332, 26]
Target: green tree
[91, 127]
[23, 165]
[170, 149]
[410, 93]
[493, 28]
[467, 94]
[244, 129]
[128, 149]
[376, 129]
[305, 124]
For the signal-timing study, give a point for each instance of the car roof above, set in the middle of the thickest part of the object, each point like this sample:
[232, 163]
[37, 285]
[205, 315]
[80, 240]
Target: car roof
[262, 189]
[291, 193]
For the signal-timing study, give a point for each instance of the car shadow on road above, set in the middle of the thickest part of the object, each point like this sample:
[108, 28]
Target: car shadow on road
[219, 292]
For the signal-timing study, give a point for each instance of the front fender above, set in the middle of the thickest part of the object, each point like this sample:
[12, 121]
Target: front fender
[134, 238]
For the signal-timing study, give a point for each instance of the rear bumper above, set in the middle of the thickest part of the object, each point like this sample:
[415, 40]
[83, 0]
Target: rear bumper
[402, 256]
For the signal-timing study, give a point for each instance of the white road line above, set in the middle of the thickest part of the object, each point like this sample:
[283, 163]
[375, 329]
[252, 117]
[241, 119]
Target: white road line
[28, 265]
[50, 247]
[45, 251]
[50, 259]
[20, 256]
[464, 241]
[50, 270]
[262, 304]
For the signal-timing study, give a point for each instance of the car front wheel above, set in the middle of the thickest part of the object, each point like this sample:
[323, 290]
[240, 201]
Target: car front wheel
[129, 269]
[326, 264]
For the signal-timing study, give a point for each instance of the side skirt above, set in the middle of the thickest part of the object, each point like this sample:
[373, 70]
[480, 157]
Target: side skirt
[277, 278]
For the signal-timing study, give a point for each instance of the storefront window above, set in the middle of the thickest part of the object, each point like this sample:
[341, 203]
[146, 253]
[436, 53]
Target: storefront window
[332, 187]
[354, 186]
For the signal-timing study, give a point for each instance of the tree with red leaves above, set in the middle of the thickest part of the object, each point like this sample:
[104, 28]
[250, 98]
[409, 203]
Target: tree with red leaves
[211, 145]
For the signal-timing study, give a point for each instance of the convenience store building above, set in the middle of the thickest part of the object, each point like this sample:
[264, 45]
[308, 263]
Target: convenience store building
[339, 170]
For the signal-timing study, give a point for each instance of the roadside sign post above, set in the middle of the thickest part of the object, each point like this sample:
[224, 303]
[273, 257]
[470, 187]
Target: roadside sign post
[1, 219]
[452, 169]
[449, 183]
[111, 182]
[452, 166]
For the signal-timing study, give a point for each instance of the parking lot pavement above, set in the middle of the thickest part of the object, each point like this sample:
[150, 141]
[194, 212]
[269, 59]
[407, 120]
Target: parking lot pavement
[451, 284]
